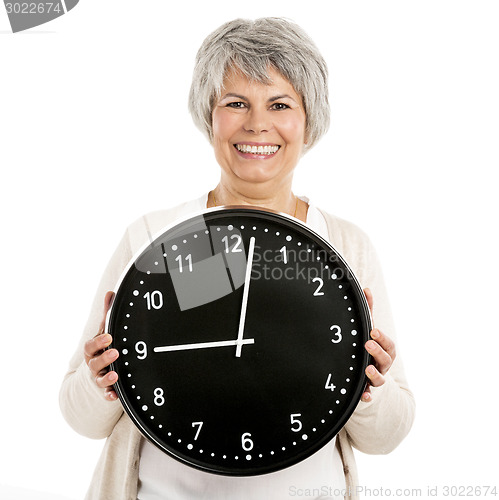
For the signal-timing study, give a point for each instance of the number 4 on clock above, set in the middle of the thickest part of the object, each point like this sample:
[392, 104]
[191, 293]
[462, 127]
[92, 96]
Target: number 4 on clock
[329, 384]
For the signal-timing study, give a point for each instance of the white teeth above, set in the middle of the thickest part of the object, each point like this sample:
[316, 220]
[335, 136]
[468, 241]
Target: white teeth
[261, 150]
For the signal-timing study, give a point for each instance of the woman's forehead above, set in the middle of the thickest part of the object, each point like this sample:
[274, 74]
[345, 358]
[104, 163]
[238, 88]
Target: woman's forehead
[236, 81]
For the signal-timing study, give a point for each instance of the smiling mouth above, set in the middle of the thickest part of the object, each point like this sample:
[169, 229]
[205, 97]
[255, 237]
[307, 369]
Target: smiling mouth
[267, 150]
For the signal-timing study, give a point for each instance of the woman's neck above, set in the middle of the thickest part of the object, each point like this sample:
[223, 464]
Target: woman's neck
[282, 200]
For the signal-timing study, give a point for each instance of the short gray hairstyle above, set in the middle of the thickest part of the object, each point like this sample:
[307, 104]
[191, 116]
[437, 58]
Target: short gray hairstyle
[254, 46]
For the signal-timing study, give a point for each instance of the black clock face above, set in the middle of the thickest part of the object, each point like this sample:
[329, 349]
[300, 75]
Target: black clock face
[241, 338]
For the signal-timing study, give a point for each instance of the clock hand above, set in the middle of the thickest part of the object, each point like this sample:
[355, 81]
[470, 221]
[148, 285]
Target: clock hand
[201, 345]
[247, 279]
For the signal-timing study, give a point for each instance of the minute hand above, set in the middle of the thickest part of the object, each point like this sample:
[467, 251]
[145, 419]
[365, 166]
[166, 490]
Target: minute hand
[247, 279]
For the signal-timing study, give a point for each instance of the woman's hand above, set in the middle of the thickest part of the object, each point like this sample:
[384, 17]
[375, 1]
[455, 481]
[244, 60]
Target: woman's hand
[382, 349]
[98, 359]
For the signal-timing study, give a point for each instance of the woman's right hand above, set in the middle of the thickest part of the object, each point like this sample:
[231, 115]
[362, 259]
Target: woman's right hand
[98, 359]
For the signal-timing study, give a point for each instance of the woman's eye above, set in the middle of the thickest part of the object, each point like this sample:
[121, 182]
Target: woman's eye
[236, 105]
[279, 105]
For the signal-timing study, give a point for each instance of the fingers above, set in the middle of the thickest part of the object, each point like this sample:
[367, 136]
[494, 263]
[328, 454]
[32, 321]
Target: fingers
[382, 349]
[382, 360]
[369, 298]
[101, 361]
[105, 380]
[98, 357]
[108, 300]
[95, 346]
[366, 395]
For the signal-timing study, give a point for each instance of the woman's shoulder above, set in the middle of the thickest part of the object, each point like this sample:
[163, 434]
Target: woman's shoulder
[146, 227]
[346, 236]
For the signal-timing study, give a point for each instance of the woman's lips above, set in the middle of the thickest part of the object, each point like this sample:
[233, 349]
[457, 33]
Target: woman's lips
[254, 150]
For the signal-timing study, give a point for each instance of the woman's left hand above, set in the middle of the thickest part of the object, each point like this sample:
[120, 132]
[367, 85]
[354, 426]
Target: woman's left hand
[382, 349]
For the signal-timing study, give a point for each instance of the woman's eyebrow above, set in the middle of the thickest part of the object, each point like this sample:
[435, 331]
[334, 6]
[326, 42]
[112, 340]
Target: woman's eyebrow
[271, 99]
[283, 96]
[230, 94]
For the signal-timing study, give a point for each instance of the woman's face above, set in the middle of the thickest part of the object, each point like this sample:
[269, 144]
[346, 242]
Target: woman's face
[258, 130]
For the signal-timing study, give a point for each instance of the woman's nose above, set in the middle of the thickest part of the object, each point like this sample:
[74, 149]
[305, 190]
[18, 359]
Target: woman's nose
[257, 121]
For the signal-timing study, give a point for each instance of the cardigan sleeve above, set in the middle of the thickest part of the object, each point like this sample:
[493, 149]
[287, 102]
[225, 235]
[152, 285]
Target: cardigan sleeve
[376, 427]
[82, 403]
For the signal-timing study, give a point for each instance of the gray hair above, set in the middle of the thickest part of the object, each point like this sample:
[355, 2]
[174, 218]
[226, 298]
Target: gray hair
[253, 47]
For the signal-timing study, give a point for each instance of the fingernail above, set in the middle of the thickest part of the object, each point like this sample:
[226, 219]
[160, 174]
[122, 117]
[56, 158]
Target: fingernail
[371, 345]
[375, 334]
[113, 377]
[371, 370]
[106, 338]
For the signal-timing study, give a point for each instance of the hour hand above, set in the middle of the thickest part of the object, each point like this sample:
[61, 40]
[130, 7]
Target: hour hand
[202, 345]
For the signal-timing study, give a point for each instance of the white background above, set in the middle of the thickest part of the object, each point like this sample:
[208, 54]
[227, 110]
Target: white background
[94, 131]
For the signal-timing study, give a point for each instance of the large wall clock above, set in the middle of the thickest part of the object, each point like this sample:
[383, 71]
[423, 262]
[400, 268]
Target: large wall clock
[241, 336]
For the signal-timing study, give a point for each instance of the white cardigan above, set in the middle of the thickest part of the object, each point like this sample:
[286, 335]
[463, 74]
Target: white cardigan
[376, 427]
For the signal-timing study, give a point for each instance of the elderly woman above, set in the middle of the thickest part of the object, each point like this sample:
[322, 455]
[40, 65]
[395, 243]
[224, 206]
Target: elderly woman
[259, 93]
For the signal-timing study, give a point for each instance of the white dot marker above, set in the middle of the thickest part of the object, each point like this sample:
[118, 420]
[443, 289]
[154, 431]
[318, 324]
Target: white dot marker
[248, 457]
[135, 292]
[145, 408]
[304, 437]
[189, 446]
[174, 247]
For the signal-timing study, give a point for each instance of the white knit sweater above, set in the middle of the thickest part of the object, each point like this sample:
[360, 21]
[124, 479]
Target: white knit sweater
[376, 427]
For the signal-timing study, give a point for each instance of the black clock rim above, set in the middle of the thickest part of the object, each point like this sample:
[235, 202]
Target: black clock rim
[356, 395]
